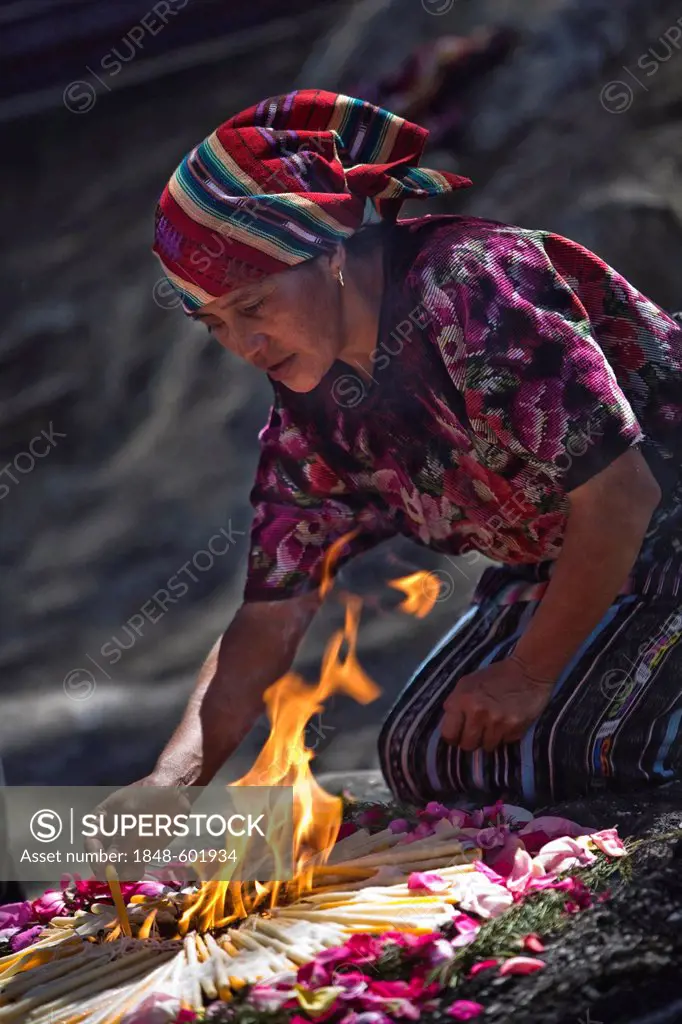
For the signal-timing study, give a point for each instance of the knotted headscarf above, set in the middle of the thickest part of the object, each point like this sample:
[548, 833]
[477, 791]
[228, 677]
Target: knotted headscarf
[282, 182]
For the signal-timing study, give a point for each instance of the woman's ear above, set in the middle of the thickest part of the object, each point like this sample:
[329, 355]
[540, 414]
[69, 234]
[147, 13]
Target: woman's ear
[337, 260]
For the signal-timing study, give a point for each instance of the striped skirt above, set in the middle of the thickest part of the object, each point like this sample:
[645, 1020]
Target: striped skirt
[613, 721]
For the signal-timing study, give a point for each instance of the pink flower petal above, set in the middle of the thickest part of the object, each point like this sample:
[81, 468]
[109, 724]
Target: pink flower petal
[554, 827]
[15, 915]
[502, 859]
[482, 965]
[563, 854]
[436, 810]
[399, 825]
[463, 924]
[524, 869]
[491, 838]
[266, 998]
[533, 943]
[484, 869]
[439, 952]
[372, 816]
[50, 904]
[521, 965]
[464, 1009]
[431, 881]
[534, 841]
[494, 811]
[609, 842]
[26, 938]
[347, 829]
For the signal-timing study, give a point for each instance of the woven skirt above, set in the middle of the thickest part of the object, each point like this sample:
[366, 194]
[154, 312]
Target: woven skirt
[613, 721]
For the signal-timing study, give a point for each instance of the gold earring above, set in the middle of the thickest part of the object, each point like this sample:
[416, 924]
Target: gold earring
[339, 277]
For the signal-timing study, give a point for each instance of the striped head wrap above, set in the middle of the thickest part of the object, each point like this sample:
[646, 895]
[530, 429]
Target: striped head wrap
[282, 182]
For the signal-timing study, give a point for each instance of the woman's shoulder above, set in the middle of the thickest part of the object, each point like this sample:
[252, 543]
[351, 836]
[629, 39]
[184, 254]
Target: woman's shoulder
[460, 250]
[436, 232]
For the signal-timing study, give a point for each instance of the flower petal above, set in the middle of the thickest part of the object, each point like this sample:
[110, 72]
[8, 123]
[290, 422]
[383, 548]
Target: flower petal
[316, 1001]
[430, 881]
[26, 938]
[533, 943]
[158, 1008]
[15, 915]
[563, 854]
[521, 965]
[554, 827]
[609, 842]
[399, 825]
[464, 1009]
[482, 965]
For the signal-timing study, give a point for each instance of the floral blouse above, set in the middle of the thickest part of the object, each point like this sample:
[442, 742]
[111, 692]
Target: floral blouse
[512, 365]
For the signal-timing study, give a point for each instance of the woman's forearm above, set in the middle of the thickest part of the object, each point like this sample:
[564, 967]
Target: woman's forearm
[258, 647]
[606, 525]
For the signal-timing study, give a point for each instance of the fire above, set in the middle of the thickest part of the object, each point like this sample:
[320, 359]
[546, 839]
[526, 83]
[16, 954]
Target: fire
[285, 761]
[421, 589]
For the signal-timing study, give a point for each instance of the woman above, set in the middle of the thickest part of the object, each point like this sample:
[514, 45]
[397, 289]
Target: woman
[476, 386]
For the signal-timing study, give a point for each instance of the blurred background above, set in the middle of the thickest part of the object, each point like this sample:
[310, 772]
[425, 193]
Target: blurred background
[129, 438]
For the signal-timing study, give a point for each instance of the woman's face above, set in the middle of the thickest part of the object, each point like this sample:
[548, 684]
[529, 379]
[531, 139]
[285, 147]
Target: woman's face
[288, 324]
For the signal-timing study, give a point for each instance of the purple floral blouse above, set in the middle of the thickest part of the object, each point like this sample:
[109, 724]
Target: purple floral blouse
[512, 365]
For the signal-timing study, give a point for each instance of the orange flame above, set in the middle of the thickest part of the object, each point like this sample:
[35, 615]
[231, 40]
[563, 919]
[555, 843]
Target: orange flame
[421, 589]
[285, 760]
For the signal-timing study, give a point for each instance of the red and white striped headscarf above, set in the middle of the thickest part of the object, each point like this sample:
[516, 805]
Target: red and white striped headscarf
[282, 182]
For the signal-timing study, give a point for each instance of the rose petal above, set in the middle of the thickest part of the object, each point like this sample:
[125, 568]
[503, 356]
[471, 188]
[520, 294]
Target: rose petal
[562, 855]
[15, 915]
[521, 965]
[266, 998]
[26, 938]
[533, 943]
[486, 870]
[482, 965]
[491, 838]
[554, 827]
[372, 816]
[534, 841]
[440, 951]
[348, 828]
[436, 810]
[430, 881]
[482, 897]
[463, 923]
[399, 825]
[609, 842]
[502, 859]
[464, 1009]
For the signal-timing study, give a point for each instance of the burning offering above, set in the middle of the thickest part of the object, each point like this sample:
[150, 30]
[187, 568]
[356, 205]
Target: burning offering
[370, 896]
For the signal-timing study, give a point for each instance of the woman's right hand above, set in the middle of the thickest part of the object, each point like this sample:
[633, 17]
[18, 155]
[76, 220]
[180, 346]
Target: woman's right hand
[149, 795]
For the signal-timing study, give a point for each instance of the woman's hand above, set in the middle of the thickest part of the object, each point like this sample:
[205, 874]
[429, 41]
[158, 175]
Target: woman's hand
[150, 796]
[494, 705]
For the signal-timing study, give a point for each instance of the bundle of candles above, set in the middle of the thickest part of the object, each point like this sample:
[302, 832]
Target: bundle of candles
[97, 966]
[202, 943]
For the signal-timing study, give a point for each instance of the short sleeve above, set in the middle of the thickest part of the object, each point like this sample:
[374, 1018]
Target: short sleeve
[514, 326]
[301, 507]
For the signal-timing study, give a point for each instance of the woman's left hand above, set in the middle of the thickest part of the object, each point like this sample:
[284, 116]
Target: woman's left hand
[494, 705]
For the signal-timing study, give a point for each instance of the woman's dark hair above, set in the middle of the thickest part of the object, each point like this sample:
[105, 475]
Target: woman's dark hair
[367, 239]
